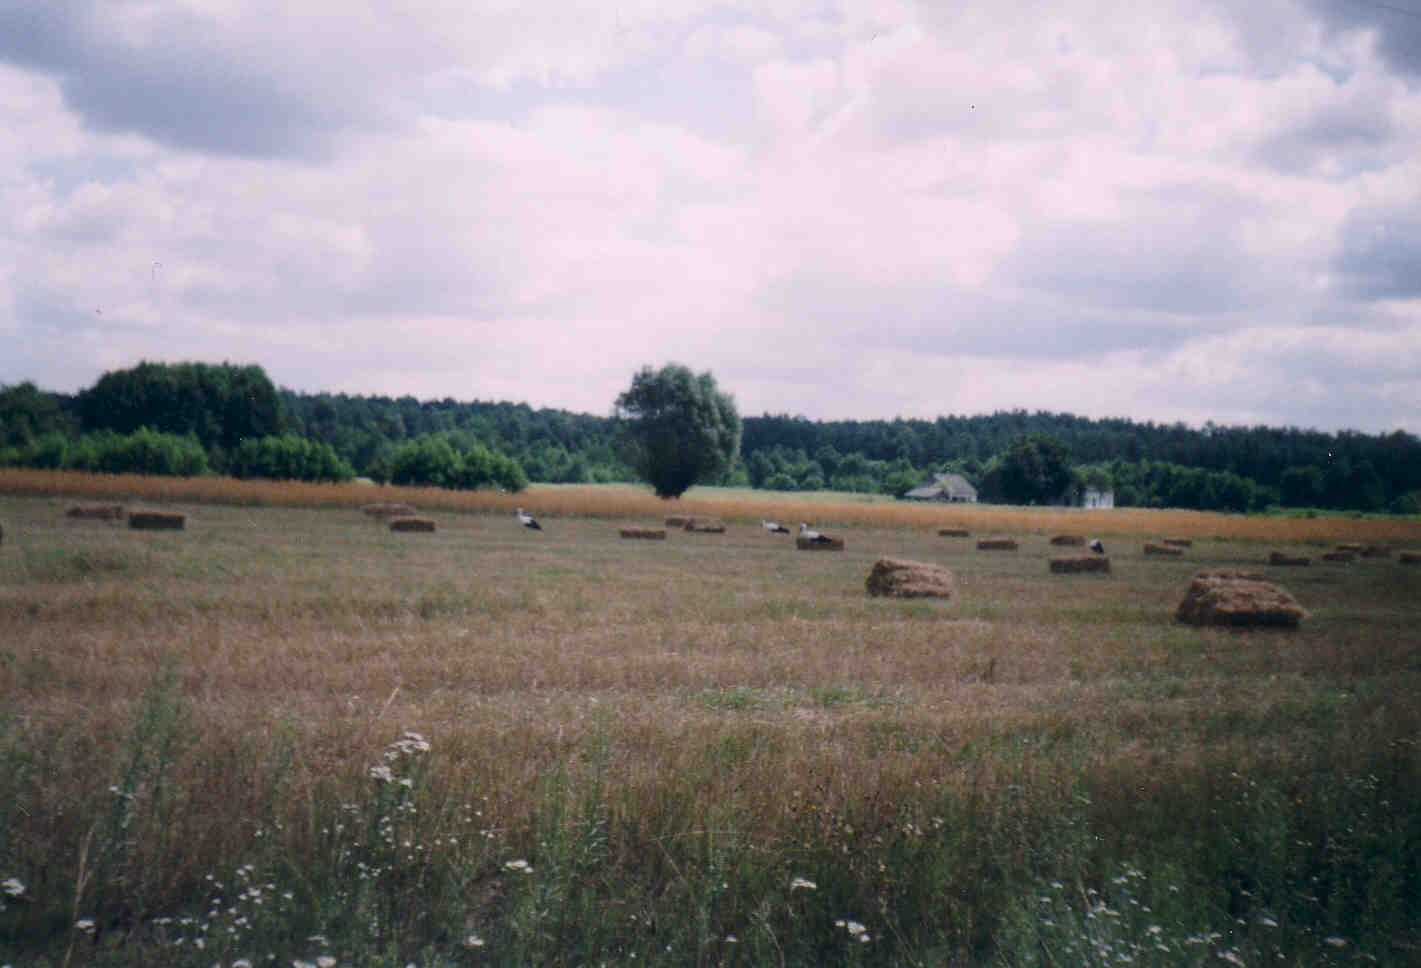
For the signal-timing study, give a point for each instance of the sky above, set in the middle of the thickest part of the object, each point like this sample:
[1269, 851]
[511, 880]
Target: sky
[854, 209]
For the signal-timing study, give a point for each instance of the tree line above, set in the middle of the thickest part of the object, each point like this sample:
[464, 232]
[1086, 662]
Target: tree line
[194, 418]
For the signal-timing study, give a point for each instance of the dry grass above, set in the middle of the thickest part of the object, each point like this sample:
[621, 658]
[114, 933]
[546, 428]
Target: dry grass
[645, 534]
[409, 523]
[727, 684]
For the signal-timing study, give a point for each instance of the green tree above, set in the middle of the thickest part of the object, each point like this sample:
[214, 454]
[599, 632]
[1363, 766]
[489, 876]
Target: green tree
[1036, 469]
[681, 429]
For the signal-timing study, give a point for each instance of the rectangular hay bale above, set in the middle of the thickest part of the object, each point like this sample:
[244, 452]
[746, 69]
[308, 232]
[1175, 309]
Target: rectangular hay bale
[389, 509]
[1068, 540]
[1376, 551]
[1341, 557]
[996, 544]
[648, 534]
[677, 520]
[95, 512]
[1080, 565]
[900, 578]
[1168, 551]
[705, 525]
[156, 520]
[411, 523]
[1179, 542]
[953, 533]
[1286, 560]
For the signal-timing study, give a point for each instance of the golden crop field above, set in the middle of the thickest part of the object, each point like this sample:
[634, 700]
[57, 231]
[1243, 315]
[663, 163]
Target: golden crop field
[492, 745]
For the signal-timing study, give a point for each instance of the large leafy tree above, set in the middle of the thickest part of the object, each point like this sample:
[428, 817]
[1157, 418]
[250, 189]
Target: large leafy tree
[1036, 469]
[681, 429]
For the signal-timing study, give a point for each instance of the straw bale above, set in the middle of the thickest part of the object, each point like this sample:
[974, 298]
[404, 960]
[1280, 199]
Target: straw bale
[650, 534]
[156, 520]
[1179, 542]
[411, 523]
[1287, 560]
[389, 510]
[1070, 566]
[1376, 551]
[1169, 551]
[953, 533]
[996, 544]
[1341, 557]
[900, 578]
[1411, 557]
[705, 525]
[95, 512]
[1068, 540]
[677, 520]
[825, 542]
[1356, 549]
[1237, 598]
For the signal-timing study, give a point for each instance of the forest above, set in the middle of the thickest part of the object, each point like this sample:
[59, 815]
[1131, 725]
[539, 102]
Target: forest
[199, 418]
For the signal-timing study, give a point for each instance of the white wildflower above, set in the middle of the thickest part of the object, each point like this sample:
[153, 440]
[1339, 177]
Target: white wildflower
[1335, 941]
[325, 961]
[14, 886]
[474, 941]
[803, 882]
[519, 865]
[1231, 956]
[242, 963]
[382, 772]
[85, 924]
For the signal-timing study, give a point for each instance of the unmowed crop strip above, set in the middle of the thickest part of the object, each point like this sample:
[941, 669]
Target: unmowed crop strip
[287, 730]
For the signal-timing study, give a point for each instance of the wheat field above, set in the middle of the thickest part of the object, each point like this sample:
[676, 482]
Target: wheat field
[705, 750]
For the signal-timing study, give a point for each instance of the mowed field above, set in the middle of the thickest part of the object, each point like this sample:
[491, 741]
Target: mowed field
[286, 730]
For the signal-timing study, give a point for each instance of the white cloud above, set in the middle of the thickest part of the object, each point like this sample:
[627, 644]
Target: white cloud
[852, 210]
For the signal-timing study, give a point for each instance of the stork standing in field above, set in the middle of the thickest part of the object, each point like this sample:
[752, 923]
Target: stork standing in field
[527, 520]
[773, 527]
[1097, 546]
[809, 534]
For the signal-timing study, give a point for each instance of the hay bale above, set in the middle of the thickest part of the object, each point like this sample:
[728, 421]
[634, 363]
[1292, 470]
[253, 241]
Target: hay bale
[648, 534]
[1068, 540]
[1341, 557]
[389, 510]
[411, 523]
[1086, 563]
[95, 512]
[677, 520]
[1289, 561]
[1376, 551]
[1239, 599]
[899, 578]
[156, 520]
[1356, 549]
[1168, 551]
[705, 525]
[996, 544]
[953, 533]
[824, 542]
[1179, 542]
[1411, 557]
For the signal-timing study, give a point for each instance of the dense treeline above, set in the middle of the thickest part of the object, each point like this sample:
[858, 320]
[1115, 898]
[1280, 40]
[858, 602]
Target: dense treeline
[200, 418]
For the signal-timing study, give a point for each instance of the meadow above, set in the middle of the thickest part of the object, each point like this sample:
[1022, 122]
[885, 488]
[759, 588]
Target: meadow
[286, 735]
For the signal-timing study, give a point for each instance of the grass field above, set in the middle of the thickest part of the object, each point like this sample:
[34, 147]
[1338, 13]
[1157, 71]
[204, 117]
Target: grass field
[286, 733]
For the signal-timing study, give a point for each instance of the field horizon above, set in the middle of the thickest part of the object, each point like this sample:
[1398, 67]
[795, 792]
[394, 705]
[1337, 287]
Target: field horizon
[485, 745]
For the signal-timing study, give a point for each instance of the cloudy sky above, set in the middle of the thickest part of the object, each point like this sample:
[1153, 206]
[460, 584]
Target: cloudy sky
[1194, 210]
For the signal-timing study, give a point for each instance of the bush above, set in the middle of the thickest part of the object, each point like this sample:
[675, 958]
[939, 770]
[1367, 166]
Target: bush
[288, 457]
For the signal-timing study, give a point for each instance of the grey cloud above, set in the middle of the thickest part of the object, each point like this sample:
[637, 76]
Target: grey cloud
[1380, 256]
[1357, 134]
[1397, 26]
[194, 90]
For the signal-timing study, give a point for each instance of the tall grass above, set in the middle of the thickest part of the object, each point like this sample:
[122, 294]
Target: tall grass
[290, 732]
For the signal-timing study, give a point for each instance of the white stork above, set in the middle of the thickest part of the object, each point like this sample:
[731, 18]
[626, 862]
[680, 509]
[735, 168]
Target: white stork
[773, 527]
[527, 520]
[1097, 546]
[809, 534]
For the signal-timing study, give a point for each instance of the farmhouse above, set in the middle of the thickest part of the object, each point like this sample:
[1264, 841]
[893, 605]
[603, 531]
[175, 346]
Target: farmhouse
[945, 487]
